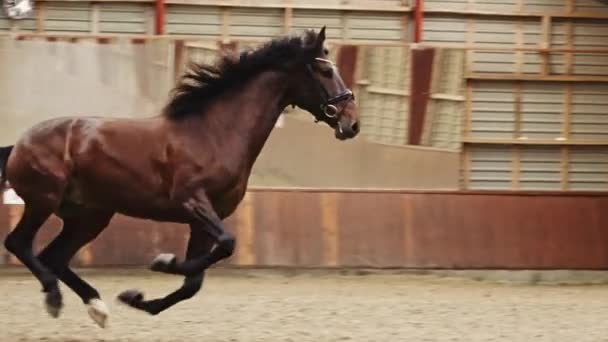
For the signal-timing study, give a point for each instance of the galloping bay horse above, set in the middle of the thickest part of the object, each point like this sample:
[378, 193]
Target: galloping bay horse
[188, 165]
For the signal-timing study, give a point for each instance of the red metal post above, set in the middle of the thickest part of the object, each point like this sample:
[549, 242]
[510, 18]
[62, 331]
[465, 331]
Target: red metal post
[419, 19]
[159, 28]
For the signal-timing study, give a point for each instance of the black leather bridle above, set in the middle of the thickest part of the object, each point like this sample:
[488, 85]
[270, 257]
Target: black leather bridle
[328, 104]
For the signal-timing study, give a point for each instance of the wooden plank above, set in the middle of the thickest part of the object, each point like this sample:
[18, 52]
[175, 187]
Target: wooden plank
[245, 231]
[570, 6]
[528, 77]
[330, 229]
[544, 45]
[519, 43]
[225, 30]
[470, 6]
[515, 167]
[517, 108]
[567, 112]
[506, 14]
[386, 91]
[468, 110]
[502, 48]
[480, 192]
[569, 57]
[422, 70]
[370, 240]
[287, 19]
[491, 229]
[556, 142]
[260, 4]
[347, 63]
[40, 10]
[179, 59]
[566, 128]
[465, 167]
[405, 27]
[564, 162]
[448, 97]
[498, 48]
[95, 16]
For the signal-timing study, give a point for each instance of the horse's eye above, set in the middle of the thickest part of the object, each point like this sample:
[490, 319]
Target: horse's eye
[326, 52]
[329, 73]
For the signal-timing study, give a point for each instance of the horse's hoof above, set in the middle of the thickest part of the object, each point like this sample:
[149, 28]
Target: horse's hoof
[53, 303]
[163, 262]
[98, 311]
[131, 297]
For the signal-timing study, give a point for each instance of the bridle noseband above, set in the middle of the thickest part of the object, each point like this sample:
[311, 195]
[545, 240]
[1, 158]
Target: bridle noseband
[329, 102]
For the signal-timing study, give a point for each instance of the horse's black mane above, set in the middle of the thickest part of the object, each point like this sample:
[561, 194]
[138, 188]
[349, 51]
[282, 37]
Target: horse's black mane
[202, 83]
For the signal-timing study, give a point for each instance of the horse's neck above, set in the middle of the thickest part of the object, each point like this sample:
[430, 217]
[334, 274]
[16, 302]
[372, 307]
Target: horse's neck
[246, 116]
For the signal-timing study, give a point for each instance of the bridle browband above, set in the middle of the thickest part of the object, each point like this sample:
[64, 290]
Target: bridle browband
[329, 102]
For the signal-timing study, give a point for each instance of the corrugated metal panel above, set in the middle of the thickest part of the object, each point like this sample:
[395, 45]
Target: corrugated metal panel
[453, 5]
[384, 102]
[531, 32]
[443, 126]
[544, 6]
[202, 53]
[254, 22]
[493, 110]
[542, 110]
[598, 6]
[384, 117]
[450, 64]
[502, 6]
[320, 3]
[588, 168]
[307, 19]
[197, 20]
[374, 26]
[27, 24]
[122, 18]
[589, 111]
[493, 61]
[389, 67]
[590, 64]
[559, 34]
[531, 63]
[590, 34]
[491, 167]
[67, 17]
[540, 168]
[495, 32]
[5, 23]
[444, 30]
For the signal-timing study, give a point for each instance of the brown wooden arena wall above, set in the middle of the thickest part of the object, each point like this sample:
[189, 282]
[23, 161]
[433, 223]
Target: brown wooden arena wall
[378, 229]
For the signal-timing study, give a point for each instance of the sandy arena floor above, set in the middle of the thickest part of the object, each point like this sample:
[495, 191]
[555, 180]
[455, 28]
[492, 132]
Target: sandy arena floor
[316, 308]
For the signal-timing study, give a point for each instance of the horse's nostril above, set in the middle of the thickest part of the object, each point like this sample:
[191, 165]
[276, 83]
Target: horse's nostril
[355, 127]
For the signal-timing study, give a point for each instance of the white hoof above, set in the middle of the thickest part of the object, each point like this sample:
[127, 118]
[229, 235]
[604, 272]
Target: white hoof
[164, 259]
[162, 262]
[98, 311]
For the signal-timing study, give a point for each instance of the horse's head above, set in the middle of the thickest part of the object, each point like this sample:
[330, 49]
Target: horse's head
[319, 89]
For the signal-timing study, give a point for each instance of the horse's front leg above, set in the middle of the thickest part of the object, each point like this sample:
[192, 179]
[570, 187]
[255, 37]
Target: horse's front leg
[205, 232]
[207, 221]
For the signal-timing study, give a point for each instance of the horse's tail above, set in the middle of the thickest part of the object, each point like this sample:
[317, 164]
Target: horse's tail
[5, 152]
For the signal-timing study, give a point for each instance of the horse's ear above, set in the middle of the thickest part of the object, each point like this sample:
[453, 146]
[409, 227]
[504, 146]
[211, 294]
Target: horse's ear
[321, 37]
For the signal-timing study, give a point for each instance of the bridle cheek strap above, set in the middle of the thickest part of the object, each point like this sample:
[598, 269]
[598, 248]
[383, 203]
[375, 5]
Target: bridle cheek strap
[329, 103]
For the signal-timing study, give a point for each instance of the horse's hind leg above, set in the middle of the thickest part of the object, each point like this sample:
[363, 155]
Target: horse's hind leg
[20, 241]
[78, 230]
[199, 244]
